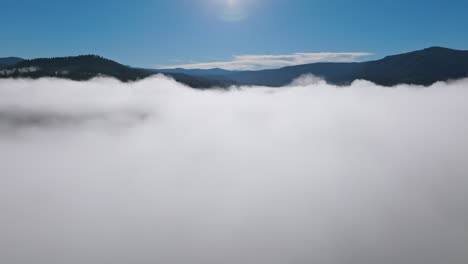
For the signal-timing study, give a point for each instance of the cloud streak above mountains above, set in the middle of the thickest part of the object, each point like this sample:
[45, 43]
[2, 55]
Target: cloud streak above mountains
[259, 62]
[155, 172]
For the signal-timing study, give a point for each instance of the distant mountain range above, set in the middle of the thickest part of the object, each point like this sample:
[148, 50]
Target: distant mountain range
[10, 60]
[423, 67]
[197, 72]
[5, 62]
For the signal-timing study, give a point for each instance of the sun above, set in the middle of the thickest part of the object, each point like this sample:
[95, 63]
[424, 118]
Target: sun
[232, 3]
[233, 11]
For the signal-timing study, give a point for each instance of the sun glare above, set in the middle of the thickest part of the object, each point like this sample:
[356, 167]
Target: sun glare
[233, 11]
[232, 3]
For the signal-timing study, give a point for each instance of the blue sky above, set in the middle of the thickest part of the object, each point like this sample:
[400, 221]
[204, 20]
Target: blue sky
[150, 33]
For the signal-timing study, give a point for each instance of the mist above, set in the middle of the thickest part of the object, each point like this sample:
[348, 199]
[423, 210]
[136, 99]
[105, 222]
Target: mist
[156, 172]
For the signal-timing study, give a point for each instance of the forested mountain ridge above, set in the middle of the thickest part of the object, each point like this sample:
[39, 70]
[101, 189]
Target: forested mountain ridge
[85, 67]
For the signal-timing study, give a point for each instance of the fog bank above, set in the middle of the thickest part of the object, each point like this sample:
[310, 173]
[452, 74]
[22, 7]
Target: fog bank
[155, 172]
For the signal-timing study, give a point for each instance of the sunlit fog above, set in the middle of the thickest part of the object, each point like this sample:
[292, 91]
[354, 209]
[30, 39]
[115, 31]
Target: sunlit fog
[155, 172]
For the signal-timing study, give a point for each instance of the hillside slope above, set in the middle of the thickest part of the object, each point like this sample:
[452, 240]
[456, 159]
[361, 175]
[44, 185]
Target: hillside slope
[85, 67]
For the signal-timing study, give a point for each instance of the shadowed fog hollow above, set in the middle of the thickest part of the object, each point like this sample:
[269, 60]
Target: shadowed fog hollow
[154, 172]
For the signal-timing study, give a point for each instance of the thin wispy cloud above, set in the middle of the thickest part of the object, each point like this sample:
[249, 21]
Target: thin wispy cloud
[259, 62]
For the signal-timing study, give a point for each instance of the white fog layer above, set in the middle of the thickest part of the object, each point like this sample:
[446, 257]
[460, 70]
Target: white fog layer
[103, 172]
